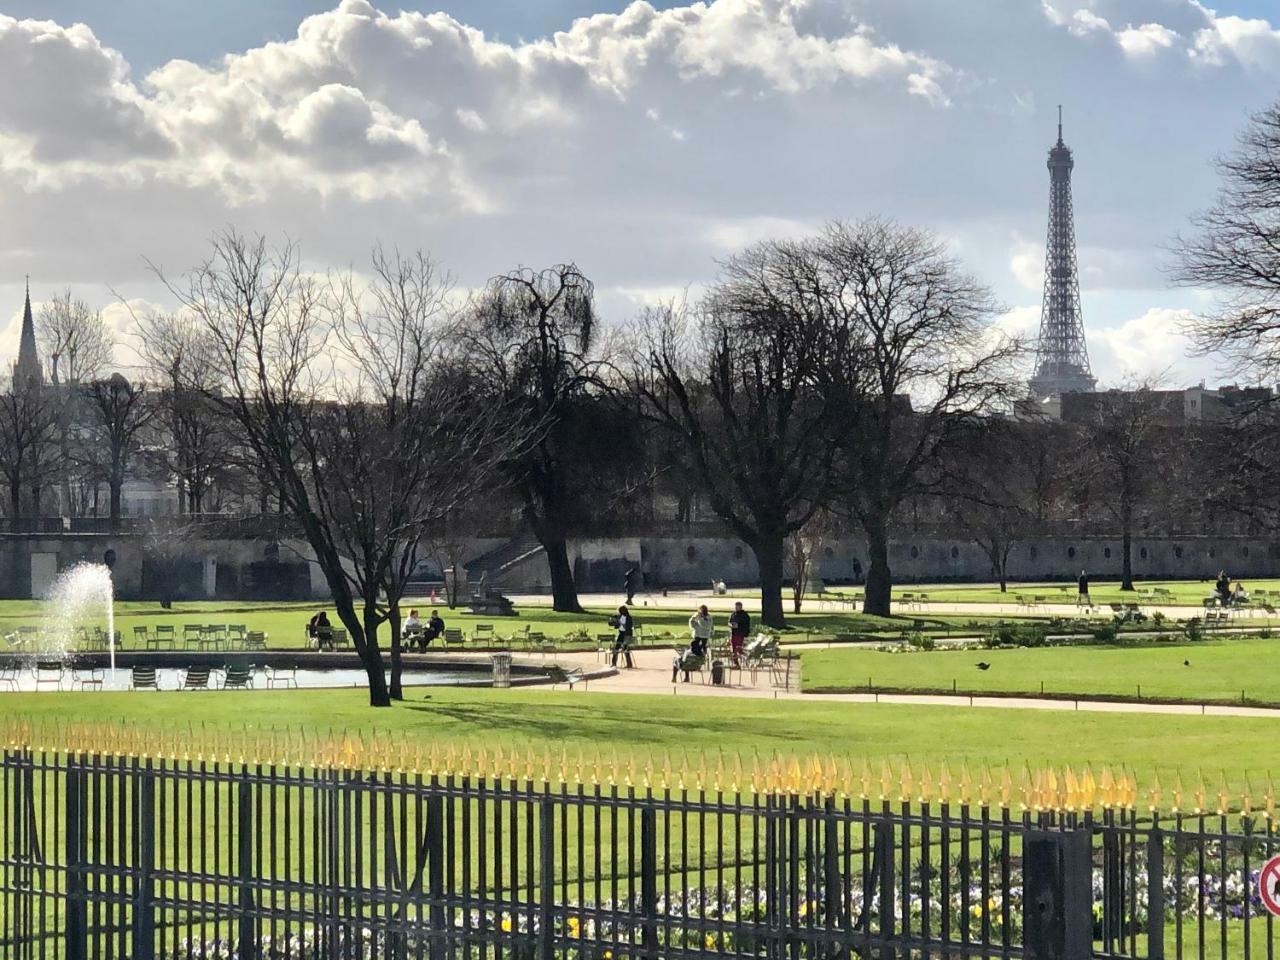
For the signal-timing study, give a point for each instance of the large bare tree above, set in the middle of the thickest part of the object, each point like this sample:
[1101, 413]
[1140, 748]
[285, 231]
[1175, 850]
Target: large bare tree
[347, 403]
[532, 337]
[733, 380]
[1235, 251]
[912, 357]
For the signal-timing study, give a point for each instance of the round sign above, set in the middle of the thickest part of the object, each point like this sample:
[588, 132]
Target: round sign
[1269, 886]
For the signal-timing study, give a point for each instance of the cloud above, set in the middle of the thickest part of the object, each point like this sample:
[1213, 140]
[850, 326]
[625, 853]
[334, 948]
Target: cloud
[1146, 40]
[645, 144]
[1149, 344]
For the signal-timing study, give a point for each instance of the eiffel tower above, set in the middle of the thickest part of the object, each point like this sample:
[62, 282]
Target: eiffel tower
[1062, 359]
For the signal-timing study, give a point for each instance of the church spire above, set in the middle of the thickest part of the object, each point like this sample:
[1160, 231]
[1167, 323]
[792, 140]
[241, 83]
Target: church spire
[28, 367]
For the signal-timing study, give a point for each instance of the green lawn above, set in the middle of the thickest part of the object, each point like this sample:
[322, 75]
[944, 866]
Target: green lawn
[1205, 671]
[648, 726]
[1184, 592]
[284, 622]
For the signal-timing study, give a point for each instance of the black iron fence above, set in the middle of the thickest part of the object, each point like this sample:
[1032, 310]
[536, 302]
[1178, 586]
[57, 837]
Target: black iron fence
[113, 856]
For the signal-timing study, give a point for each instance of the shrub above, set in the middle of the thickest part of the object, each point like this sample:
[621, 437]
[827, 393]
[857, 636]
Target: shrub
[1020, 635]
[1106, 634]
[1193, 629]
[920, 641]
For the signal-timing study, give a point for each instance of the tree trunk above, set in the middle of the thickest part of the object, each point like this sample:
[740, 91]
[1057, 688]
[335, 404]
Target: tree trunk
[393, 617]
[879, 592]
[769, 552]
[116, 486]
[15, 506]
[564, 592]
[379, 696]
[1126, 532]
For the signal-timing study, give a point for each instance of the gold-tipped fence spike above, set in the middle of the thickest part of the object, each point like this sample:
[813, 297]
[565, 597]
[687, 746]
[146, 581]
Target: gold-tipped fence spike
[886, 780]
[906, 784]
[1223, 794]
[1154, 794]
[1200, 794]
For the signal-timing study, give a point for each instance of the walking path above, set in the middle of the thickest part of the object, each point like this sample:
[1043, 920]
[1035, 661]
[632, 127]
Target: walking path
[690, 599]
[652, 675]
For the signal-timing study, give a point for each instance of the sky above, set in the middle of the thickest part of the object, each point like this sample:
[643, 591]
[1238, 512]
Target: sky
[643, 141]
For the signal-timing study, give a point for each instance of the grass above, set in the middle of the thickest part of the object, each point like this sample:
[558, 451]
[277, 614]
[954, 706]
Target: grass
[1207, 671]
[284, 622]
[1183, 592]
[699, 726]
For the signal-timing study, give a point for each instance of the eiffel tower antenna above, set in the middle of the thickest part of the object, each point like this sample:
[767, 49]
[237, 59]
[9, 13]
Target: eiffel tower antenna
[1062, 358]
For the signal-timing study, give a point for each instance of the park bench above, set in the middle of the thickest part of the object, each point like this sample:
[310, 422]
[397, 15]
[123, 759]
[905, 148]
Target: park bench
[567, 675]
[196, 678]
[144, 678]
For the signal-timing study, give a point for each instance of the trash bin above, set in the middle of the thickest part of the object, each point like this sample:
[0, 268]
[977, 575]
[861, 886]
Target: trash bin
[717, 673]
[501, 670]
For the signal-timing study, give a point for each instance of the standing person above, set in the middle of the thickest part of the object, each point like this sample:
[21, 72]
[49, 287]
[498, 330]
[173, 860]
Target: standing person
[739, 627]
[624, 623]
[629, 581]
[1083, 584]
[702, 627]
[1223, 588]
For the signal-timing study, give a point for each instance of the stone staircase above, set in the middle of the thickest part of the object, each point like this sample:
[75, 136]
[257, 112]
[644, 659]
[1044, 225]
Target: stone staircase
[499, 564]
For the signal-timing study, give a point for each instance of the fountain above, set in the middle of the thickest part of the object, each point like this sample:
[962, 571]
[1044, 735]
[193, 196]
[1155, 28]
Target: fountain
[81, 594]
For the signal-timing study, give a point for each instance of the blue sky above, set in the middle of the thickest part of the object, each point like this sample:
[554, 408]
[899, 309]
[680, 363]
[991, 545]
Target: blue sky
[644, 145]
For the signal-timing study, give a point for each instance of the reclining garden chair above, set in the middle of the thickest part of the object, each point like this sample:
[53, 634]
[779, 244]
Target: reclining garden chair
[237, 677]
[569, 675]
[196, 678]
[144, 678]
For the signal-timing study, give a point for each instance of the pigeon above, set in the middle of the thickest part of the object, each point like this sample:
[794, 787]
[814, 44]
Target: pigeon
[1186, 663]
[983, 665]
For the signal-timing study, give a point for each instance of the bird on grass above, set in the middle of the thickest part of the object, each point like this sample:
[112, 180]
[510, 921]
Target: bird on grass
[983, 665]
[1186, 663]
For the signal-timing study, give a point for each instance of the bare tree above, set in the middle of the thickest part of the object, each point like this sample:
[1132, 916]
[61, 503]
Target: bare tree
[118, 412]
[1000, 485]
[1235, 251]
[75, 338]
[532, 337]
[1131, 439]
[804, 546]
[195, 447]
[340, 394]
[734, 382]
[911, 358]
[412, 441]
[28, 431]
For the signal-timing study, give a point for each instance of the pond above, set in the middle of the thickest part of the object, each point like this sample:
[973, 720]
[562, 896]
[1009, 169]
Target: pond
[30, 678]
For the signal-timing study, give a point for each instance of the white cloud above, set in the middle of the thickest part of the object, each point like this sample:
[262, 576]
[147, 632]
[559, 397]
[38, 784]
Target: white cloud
[1146, 40]
[1149, 344]
[1253, 43]
[1027, 264]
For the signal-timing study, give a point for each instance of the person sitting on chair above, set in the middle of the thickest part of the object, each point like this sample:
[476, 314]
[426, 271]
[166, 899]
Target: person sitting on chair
[435, 627]
[321, 631]
[411, 629]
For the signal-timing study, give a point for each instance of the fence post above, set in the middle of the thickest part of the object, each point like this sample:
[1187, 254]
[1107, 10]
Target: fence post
[831, 865]
[435, 871]
[1155, 894]
[1058, 894]
[77, 946]
[244, 863]
[547, 875]
[144, 824]
[888, 920]
[649, 879]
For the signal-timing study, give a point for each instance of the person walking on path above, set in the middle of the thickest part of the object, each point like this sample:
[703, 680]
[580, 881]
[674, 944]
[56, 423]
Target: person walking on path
[739, 627]
[1083, 584]
[630, 580]
[624, 623]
